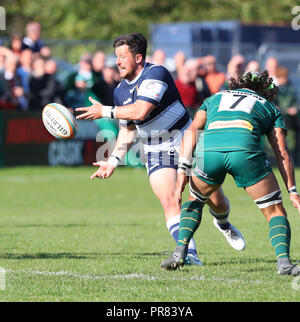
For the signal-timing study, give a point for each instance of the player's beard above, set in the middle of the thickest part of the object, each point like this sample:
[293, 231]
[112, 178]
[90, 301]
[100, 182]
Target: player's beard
[125, 74]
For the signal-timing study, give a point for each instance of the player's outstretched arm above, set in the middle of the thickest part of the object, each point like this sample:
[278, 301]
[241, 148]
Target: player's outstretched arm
[124, 141]
[137, 111]
[277, 139]
[187, 147]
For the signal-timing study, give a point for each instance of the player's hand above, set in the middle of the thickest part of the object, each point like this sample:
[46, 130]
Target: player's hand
[92, 112]
[295, 199]
[105, 170]
[180, 185]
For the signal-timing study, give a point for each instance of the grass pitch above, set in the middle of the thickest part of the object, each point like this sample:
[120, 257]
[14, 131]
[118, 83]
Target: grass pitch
[66, 238]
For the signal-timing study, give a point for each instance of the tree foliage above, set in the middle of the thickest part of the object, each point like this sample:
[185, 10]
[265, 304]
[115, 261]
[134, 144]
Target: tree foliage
[104, 19]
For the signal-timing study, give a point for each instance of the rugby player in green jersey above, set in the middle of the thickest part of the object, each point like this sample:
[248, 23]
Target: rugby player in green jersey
[234, 121]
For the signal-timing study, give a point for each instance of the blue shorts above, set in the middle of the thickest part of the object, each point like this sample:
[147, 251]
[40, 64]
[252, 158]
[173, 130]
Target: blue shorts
[161, 159]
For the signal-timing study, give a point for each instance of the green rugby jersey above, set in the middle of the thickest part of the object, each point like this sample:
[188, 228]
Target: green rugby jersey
[236, 120]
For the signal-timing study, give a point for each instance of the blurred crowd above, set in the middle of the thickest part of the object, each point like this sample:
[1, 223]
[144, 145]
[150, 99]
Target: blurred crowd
[28, 75]
[28, 78]
[198, 78]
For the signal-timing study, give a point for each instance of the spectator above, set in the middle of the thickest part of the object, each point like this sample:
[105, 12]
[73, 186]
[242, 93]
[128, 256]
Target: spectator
[2, 60]
[11, 91]
[3, 53]
[98, 62]
[79, 84]
[50, 67]
[179, 60]
[16, 44]
[51, 70]
[187, 82]
[271, 66]
[84, 76]
[45, 53]
[235, 67]
[214, 78]
[42, 87]
[186, 86]
[25, 69]
[201, 69]
[32, 40]
[158, 57]
[201, 84]
[99, 86]
[111, 78]
[288, 103]
[252, 66]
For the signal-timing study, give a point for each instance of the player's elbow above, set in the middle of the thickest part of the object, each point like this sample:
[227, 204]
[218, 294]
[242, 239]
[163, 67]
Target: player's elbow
[141, 115]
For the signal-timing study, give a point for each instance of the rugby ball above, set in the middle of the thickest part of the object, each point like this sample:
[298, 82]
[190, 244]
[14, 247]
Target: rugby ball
[59, 121]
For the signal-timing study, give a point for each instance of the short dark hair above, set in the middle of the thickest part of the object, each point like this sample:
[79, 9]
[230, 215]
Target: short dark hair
[259, 83]
[136, 42]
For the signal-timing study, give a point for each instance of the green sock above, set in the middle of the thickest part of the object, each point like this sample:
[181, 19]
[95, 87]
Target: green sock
[190, 218]
[280, 236]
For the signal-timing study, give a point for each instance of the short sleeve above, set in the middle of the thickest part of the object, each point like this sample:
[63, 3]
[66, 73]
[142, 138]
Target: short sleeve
[278, 119]
[273, 120]
[204, 106]
[115, 97]
[154, 85]
[123, 123]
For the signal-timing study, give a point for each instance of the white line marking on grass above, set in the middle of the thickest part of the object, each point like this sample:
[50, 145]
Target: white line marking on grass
[43, 177]
[82, 276]
[139, 276]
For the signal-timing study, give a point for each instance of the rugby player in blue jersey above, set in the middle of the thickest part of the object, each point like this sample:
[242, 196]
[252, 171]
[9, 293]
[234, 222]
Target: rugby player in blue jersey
[148, 103]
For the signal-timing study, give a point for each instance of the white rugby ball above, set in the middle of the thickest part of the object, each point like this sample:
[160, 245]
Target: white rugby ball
[59, 121]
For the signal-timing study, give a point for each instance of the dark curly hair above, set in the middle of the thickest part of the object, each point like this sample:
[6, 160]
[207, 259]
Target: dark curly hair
[136, 42]
[261, 83]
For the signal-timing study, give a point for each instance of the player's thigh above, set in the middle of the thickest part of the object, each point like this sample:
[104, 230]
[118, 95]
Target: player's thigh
[163, 184]
[200, 188]
[263, 187]
[247, 167]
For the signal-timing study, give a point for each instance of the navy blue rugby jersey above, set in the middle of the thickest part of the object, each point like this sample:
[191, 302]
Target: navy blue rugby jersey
[155, 85]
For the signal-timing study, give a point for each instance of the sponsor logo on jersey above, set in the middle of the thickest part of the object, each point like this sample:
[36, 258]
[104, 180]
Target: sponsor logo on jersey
[132, 90]
[152, 88]
[202, 174]
[229, 124]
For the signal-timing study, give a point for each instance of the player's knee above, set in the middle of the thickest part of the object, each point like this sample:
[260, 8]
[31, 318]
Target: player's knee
[197, 195]
[219, 204]
[274, 211]
[271, 205]
[168, 202]
[268, 200]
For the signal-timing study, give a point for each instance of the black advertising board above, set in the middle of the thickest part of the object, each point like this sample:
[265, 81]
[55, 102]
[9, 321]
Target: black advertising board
[25, 141]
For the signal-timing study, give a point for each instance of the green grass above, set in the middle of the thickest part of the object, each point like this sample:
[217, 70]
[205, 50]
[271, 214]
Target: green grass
[66, 238]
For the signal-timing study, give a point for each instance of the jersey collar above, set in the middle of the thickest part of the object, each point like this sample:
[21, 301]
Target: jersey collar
[137, 77]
